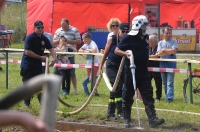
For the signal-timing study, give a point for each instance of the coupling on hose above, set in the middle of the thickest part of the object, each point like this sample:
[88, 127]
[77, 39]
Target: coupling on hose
[132, 65]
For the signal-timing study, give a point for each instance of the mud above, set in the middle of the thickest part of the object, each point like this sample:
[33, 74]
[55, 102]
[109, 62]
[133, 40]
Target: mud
[82, 127]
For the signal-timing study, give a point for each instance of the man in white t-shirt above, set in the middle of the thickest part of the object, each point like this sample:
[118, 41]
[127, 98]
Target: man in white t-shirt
[89, 47]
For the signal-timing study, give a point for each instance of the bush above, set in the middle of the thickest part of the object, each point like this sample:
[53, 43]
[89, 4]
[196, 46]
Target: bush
[13, 16]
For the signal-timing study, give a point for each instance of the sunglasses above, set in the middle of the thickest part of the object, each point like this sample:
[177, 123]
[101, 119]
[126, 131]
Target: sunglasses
[115, 25]
[40, 27]
[125, 31]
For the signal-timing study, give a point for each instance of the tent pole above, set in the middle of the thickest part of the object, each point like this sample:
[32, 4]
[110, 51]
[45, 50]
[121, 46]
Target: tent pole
[129, 9]
[159, 19]
[21, 25]
[52, 16]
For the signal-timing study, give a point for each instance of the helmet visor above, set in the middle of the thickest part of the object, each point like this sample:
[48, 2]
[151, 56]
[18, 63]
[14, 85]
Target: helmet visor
[145, 26]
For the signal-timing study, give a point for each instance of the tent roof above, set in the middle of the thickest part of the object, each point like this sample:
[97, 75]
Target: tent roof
[128, 1]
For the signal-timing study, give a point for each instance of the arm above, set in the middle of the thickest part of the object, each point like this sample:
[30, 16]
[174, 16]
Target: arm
[94, 50]
[159, 50]
[56, 42]
[153, 56]
[71, 47]
[53, 54]
[120, 52]
[76, 42]
[81, 50]
[170, 51]
[107, 48]
[161, 53]
[31, 54]
[56, 38]
[26, 120]
[165, 51]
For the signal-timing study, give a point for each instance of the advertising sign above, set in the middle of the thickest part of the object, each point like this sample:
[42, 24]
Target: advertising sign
[186, 38]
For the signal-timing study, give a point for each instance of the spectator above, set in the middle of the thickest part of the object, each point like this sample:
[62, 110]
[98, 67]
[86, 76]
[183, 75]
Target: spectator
[153, 43]
[63, 59]
[112, 67]
[136, 41]
[31, 65]
[89, 47]
[113, 27]
[167, 49]
[152, 19]
[73, 38]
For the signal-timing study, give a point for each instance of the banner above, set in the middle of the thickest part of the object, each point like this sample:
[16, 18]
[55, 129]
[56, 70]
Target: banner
[185, 42]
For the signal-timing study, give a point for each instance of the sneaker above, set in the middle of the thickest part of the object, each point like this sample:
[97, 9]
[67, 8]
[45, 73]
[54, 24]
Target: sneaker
[120, 117]
[169, 100]
[64, 92]
[96, 94]
[127, 123]
[156, 122]
[111, 117]
[75, 92]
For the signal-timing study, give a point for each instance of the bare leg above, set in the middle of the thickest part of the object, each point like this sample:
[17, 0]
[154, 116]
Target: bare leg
[74, 83]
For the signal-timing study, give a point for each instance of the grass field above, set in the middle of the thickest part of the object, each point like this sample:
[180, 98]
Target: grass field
[95, 113]
[97, 109]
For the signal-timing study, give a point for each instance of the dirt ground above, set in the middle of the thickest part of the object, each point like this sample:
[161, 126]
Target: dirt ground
[71, 125]
[118, 126]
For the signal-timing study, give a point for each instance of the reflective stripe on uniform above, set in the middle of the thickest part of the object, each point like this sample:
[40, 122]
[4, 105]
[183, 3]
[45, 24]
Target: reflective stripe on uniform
[118, 99]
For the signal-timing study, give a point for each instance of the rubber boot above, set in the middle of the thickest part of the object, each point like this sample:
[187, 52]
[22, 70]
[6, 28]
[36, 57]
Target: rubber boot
[153, 119]
[120, 114]
[111, 111]
[127, 115]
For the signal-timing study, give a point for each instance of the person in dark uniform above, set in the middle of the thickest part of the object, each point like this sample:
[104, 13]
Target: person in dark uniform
[153, 44]
[137, 41]
[112, 67]
[31, 65]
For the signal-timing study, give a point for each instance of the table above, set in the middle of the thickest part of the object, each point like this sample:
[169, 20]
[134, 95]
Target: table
[2, 36]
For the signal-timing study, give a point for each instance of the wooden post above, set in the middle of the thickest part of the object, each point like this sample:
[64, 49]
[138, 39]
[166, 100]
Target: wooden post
[190, 82]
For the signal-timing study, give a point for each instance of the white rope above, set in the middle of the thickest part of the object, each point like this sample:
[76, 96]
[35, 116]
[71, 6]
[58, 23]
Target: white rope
[164, 110]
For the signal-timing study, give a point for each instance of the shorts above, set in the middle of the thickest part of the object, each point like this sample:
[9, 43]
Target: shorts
[72, 70]
[28, 74]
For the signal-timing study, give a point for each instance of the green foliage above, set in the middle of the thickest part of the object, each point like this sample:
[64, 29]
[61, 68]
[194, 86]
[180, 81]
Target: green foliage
[13, 16]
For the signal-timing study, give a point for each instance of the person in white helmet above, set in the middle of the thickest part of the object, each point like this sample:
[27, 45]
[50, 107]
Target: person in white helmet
[137, 41]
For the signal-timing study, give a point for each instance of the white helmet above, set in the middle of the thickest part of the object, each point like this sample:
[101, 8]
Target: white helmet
[137, 23]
